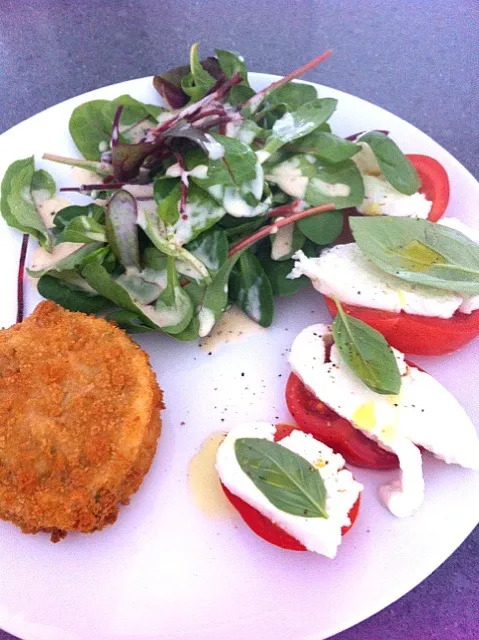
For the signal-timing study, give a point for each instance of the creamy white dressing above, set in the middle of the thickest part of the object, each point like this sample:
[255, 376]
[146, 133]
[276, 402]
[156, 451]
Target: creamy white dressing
[289, 178]
[214, 149]
[42, 259]
[206, 318]
[337, 190]
[103, 146]
[139, 190]
[135, 133]
[282, 242]
[196, 216]
[48, 207]
[233, 326]
[262, 156]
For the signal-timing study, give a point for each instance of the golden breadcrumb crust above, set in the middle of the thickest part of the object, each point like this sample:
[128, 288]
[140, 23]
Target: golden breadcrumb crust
[79, 421]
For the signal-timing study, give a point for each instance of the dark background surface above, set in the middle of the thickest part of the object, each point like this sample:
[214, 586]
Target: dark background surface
[417, 59]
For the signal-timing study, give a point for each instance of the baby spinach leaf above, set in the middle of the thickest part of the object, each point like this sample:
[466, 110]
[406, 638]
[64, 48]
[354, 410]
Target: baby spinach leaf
[67, 214]
[277, 273]
[43, 184]
[168, 205]
[174, 303]
[239, 94]
[324, 228]
[398, 169]
[251, 289]
[90, 128]
[231, 63]
[326, 146]
[82, 229]
[420, 251]
[293, 95]
[133, 113]
[16, 204]
[316, 182]
[289, 481]
[211, 247]
[70, 296]
[130, 322]
[298, 123]
[198, 82]
[140, 289]
[367, 353]
[121, 228]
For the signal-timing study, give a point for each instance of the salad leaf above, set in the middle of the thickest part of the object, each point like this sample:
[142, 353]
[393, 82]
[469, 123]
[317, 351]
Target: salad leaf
[199, 81]
[90, 128]
[134, 112]
[16, 204]
[296, 124]
[43, 184]
[292, 95]
[420, 251]
[168, 86]
[121, 228]
[211, 247]
[398, 170]
[326, 146]
[324, 228]
[289, 481]
[82, 229]
[77, 258]
[67, 214]
[71, 296]
[239, 94]
[277, 273]
[174, 303]
[251, 289]
[129, 321]
[367, 353]
[231, 63]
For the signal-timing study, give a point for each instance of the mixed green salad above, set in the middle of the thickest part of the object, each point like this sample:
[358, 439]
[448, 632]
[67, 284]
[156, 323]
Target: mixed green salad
[198, 203]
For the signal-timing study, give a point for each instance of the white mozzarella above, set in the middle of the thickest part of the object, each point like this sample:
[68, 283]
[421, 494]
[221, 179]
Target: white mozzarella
[424, 413]
[380, 197]
[322, 535]
[344, 272]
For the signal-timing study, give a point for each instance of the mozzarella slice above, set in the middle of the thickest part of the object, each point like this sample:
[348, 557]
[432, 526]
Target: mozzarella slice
[344, 272]
[322, 535]
[380, 197]
[424, 413]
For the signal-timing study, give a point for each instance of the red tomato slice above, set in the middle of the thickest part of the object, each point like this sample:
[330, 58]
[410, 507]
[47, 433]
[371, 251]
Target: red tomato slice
[314, 417]
[434, 185]
[262, 526]
[421, 335]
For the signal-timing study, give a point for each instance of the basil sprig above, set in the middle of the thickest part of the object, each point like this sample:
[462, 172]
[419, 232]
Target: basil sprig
[367, 353]
[288, 480]
[420, 251]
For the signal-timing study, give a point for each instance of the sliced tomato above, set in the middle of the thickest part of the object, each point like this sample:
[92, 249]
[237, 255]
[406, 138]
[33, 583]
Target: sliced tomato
[420, 335]
[434, 183]
[314, 417]
[262, 526]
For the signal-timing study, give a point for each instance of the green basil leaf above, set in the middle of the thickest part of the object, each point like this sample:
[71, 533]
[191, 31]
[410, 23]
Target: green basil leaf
[251, 289]
[231, 63]
[70, 296]
[82, 229]
[67, 214]
[16, 202]
[122, 229]
[296, 124]
[211, 247]
[90, 128]
[326, 146]
[420, 251]
[324, 228]
[367, 353]
[398, 170]
[288, 480]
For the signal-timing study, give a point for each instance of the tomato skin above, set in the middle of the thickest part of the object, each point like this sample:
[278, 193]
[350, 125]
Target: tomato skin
[420, 335]
[314, 417]
[262, 526]
[434, 185]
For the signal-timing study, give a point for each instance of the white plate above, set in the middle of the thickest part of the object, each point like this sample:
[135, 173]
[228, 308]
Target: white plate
[166, 570]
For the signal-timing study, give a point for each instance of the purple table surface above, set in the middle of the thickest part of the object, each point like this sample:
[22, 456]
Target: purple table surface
[418, 59]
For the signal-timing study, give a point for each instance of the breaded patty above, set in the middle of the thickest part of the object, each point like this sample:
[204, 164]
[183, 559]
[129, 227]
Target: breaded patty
[79, 421]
